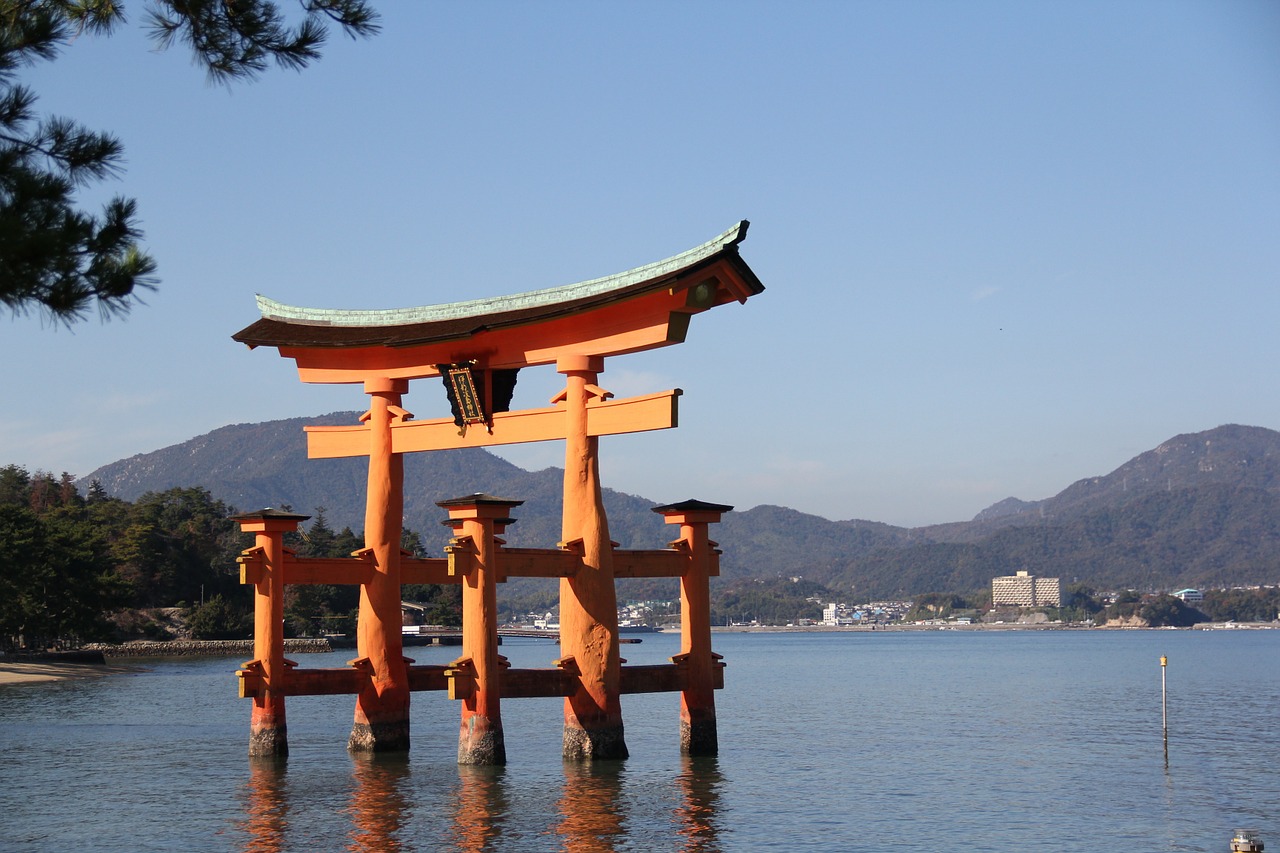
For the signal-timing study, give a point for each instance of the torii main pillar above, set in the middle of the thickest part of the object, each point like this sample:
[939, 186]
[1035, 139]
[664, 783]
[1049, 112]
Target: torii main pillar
[588, 601]
[382, 708]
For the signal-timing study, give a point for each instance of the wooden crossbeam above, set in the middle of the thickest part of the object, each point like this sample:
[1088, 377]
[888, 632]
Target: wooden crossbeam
[305, 682]
[337, 681]
[538, 563]
[511, 562]
[536, 683]
[327, 570]
[426, 570]
[649, 564]
[611, 417]
[662, 677]
[515, 683]
[428, 677]
[345, 570]
[652, 678]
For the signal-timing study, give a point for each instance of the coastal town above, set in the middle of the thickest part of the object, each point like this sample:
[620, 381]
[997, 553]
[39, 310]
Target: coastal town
[1018, 600]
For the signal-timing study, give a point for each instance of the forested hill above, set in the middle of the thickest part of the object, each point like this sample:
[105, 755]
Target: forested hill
[1238, 456]
[252, 466]
[1199, 510]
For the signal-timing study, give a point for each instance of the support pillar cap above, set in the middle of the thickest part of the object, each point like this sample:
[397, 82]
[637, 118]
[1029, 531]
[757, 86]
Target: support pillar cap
[692, 511]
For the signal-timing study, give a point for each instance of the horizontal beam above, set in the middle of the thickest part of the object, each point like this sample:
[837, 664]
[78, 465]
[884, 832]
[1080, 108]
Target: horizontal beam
[514, 683]
[610, 417]
[663, 678]
[510, 562]
[426, 570]
[537, 683]
[337, 681]
[537, 563]
[662, 325]
[428, 677]
[346, 570]
[650, 564]
[305, 682]
[652, 678]
[327, 570]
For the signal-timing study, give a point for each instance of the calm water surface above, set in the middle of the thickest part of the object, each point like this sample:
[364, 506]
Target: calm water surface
[939, 741]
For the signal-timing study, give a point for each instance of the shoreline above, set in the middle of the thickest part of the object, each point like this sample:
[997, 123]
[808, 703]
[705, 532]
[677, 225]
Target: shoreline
[99, 659]
[1010, 626]
[54, 667]
[36, 671]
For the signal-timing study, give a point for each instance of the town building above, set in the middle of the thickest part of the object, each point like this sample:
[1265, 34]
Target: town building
[837, 614]
[1189, 596]
[1026, 590]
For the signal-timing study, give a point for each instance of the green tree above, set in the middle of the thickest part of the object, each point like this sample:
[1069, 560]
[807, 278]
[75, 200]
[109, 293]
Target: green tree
[1079, 603]
[179, 545]
[1242, 605]
[219, 619]
[56, 578]
[1126, 605]
[55, 257]
[314, 609]
[1166, 611]
[319, 540]
[443, 602]
[772, 601]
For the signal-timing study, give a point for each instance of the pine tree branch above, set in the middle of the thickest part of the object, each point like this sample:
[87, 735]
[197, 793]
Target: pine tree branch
[56, 258]
[236, 40]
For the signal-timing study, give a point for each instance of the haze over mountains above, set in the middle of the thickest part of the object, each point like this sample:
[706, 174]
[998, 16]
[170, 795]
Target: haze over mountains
[1201, 509]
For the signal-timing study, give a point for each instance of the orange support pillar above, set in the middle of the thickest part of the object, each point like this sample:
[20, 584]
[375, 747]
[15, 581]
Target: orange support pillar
[382, 708]
[697, 700]
[476, 519]
[588, 601]
[268, 734]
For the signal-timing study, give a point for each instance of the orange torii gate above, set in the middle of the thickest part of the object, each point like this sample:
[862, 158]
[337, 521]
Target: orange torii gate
[477, 347]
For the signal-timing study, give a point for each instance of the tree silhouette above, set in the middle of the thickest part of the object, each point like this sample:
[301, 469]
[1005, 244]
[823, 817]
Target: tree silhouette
[54, 257]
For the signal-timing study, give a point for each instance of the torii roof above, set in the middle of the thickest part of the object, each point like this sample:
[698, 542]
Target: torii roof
[333, 345]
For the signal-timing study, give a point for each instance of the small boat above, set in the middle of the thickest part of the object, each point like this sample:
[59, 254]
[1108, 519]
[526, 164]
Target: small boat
[1246, 841]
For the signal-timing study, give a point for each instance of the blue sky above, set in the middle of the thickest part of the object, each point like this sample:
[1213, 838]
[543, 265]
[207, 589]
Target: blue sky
[1007, 245]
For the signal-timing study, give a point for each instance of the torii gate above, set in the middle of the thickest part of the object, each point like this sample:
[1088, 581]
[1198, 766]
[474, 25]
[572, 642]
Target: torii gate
[476, 347]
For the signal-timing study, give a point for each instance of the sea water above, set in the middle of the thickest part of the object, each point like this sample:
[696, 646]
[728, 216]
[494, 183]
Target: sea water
[912, 740]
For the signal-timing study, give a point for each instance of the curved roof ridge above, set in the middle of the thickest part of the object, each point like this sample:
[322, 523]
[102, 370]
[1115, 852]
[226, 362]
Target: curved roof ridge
[272, 310]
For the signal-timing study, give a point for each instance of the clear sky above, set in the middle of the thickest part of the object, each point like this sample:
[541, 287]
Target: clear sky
[1007, 245]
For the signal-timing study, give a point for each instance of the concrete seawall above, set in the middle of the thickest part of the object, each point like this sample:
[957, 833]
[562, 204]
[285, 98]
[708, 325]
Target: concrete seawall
[201, 648]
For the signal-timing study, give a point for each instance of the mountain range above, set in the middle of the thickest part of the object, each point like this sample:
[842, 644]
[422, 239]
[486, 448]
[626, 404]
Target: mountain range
[1201, 509]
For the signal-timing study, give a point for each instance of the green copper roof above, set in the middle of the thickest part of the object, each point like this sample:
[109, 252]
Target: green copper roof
[272, 310]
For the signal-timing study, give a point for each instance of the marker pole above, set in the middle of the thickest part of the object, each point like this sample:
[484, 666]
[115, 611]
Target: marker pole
[1164, 705]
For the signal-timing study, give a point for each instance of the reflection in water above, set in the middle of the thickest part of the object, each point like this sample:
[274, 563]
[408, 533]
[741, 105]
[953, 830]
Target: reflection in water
[697, 819]
[266, 805]
[591, 813]
[378, 806]
[481, 807]
[599, 806]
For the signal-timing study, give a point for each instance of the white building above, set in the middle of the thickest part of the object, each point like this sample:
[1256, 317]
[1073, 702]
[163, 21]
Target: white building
[1026, 590]
[836, 615]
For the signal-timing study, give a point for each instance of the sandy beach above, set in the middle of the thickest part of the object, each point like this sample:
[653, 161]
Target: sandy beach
[26, 672]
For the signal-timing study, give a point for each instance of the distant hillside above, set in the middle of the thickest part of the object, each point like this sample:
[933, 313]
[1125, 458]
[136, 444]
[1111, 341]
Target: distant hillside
[252, 466]
[770, 541]
[1208, 536]
[1199, 510]
[1231, 455]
